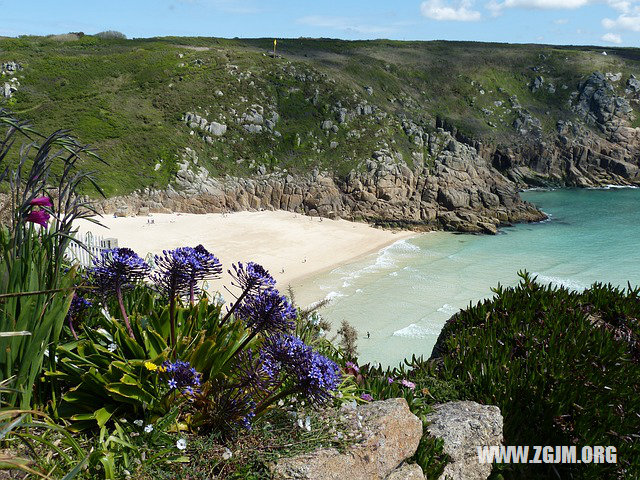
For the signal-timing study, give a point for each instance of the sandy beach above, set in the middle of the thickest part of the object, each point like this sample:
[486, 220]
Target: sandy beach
[289, 245]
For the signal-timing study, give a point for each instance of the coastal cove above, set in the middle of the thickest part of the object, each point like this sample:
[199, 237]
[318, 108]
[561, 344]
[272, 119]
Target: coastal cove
[403, 295]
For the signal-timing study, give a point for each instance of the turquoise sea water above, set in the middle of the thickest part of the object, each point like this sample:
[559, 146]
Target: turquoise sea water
[403, 295]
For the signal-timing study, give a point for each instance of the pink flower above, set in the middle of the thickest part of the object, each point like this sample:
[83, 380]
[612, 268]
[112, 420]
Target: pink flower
[38, 216]
[366, 397]
[407, 383]
[352, 366]
[41, 202]
[390, 380]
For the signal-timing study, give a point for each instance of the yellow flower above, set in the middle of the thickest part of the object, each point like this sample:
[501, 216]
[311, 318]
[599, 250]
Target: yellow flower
[162, 369]
[150, 366]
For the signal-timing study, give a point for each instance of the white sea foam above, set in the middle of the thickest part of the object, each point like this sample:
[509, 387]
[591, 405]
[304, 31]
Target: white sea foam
[415, 331]
[610, 186]
[385, 260]
[448, 309]
[569, 283]
[333, 295]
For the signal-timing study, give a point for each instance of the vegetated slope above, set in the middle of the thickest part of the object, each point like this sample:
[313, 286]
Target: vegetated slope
[325, 103]
[563, 366]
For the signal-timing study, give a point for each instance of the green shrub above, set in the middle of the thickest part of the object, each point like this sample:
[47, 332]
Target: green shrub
[562, 366]
[36, 286]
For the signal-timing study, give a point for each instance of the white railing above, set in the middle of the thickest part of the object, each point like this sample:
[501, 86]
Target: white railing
[93, 245]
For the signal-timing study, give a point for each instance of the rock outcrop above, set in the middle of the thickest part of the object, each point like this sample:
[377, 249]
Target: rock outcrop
[459, 191]
[464, 426]
[9, 69]
[390, 434]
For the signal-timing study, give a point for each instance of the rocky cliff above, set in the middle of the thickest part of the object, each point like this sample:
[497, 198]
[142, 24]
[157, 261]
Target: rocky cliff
[415, 134]
[460, 191]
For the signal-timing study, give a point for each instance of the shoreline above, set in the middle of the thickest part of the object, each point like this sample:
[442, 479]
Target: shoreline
[293, 247]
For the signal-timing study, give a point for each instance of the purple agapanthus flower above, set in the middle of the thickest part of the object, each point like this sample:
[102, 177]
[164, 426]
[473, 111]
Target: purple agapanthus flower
[313, 374]
[267, 311]
[180, 270]
[182, 377]
[251, 277]
[78, 306]
[115, 270]
[118, 268]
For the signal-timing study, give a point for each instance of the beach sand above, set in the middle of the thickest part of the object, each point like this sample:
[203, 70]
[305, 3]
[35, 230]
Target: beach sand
[289, 245]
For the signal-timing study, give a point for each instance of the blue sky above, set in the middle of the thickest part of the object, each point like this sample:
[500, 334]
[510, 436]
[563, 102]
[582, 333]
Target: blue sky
[579, 22]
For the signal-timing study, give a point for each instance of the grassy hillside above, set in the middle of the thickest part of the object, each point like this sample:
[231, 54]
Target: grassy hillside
[128, 97]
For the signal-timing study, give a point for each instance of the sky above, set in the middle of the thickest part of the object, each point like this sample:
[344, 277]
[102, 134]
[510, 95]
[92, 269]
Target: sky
[565, 22]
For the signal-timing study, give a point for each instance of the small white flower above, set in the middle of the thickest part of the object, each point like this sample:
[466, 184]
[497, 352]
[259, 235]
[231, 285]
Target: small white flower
[307, 424]
[138, 423]
[148, 429]
[281, 403]
[181, 444]
[300, 423]
[123, 420]
[112, 347]
[227, 454]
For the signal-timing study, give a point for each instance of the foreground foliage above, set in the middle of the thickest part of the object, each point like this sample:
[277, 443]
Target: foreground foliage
[563, 366]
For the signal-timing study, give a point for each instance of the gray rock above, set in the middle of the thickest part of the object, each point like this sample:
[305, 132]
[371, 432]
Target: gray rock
[633, 85]
[217, 129]
[390, 434]
[253, 128]
[536, 84]
[464, 426]
[326, 125]
[598, 103]
[407, 471]
[614, 77]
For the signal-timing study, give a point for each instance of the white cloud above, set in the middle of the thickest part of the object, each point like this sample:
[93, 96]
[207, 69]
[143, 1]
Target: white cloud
[496, 7]
[623, 22]
[459, 11]
[623, 6]
[611, 38]
[343, 23]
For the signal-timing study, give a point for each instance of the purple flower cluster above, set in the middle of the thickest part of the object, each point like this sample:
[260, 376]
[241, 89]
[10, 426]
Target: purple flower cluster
[180, 270]
[251, 277]
[314, 375]
[117, 268]
[267, 311]
[78, 306]
[182, 377]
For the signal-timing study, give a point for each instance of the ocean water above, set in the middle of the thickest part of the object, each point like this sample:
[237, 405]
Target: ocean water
[403, 295]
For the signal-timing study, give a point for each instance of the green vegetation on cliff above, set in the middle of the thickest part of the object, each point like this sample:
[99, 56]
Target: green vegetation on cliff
[129, 97]
[563, 366]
